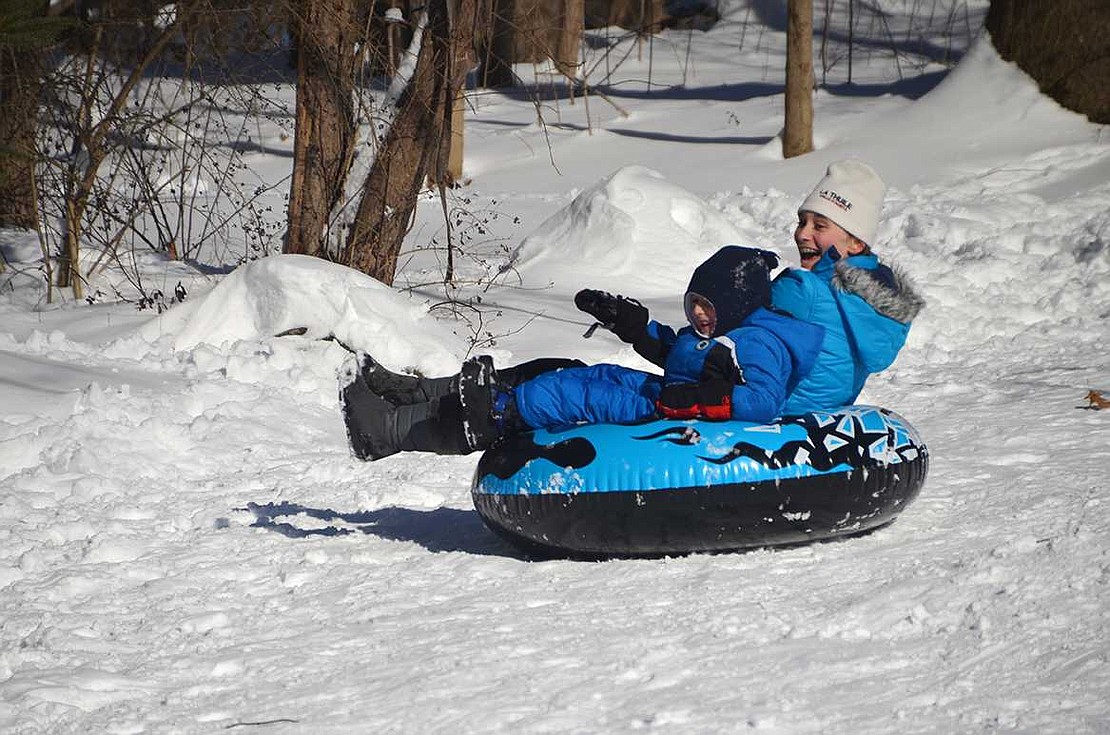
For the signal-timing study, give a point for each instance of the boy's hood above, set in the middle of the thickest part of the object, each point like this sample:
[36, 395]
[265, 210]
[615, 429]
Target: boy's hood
[736, 280]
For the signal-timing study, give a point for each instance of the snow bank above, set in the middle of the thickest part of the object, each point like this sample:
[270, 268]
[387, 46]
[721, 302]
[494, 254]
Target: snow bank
[986, 110]
[275, 295]
[633, 225]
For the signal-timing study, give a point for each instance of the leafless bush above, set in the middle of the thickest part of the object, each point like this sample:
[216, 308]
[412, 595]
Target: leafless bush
[144, 149]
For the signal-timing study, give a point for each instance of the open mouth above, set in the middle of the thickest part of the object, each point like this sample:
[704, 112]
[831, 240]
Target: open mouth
[809, 255]
[703, 325]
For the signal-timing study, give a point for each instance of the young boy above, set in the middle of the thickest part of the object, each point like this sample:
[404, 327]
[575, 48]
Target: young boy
[864, 306]
[737, 359]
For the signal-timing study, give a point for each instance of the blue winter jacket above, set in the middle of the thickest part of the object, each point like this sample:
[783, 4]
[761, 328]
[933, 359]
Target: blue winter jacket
[770, 351]
[865, 308]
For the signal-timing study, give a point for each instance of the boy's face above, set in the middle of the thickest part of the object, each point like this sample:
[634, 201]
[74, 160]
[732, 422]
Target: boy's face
[704, 316]
[817, 233]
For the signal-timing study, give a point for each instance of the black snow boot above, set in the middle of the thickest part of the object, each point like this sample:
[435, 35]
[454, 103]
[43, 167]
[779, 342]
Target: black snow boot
[525, 371]
[488, 406]
[376, 428]
[401, 389]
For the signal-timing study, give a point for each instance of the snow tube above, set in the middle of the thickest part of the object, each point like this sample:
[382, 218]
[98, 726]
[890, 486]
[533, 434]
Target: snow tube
[678, 487]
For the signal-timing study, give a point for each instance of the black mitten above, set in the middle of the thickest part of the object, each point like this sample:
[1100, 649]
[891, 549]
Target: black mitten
[626, 318]
[715, 399]
[720, 366]
[678, 401]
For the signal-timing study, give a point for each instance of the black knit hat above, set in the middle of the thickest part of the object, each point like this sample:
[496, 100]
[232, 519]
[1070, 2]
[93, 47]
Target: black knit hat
[736, 280]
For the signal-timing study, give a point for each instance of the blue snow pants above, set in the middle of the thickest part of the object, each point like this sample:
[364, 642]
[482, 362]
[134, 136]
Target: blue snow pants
[596, 394]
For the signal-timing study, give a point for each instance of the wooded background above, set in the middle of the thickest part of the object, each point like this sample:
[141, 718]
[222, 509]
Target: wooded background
[87, 87]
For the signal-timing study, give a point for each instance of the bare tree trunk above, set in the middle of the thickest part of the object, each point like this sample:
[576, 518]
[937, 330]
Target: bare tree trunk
[497, 53]
[567, 53]
[641, 16]
[20, 80]
[454, 171]
[93, 150]
[1063, 45]
[21, 77]
[324, 145]
[417, 144]
[797, 135]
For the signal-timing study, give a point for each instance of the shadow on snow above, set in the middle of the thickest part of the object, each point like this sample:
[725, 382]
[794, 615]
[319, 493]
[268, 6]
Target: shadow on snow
[437, 530]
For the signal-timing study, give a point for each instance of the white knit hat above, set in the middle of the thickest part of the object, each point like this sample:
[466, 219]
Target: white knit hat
[851, 195]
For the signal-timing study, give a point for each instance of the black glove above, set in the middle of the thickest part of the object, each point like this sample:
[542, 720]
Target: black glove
[626, 318]
[709, 399]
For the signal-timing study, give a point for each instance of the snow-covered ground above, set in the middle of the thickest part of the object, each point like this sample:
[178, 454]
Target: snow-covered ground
[187, 546]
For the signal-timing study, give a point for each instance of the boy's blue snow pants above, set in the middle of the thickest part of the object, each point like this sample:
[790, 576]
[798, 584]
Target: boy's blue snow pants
[596, 394]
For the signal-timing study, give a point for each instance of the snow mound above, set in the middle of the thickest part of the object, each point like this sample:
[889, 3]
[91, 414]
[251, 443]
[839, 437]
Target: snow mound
[985, 111]
[633, 227]
[274, 295]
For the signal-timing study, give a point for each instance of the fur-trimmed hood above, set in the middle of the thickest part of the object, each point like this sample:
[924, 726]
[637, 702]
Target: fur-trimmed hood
[888, 289]
[866, 309]
[877, 303]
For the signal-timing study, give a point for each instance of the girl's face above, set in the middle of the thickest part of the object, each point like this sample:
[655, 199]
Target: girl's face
[704, 316]
[817, 233]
